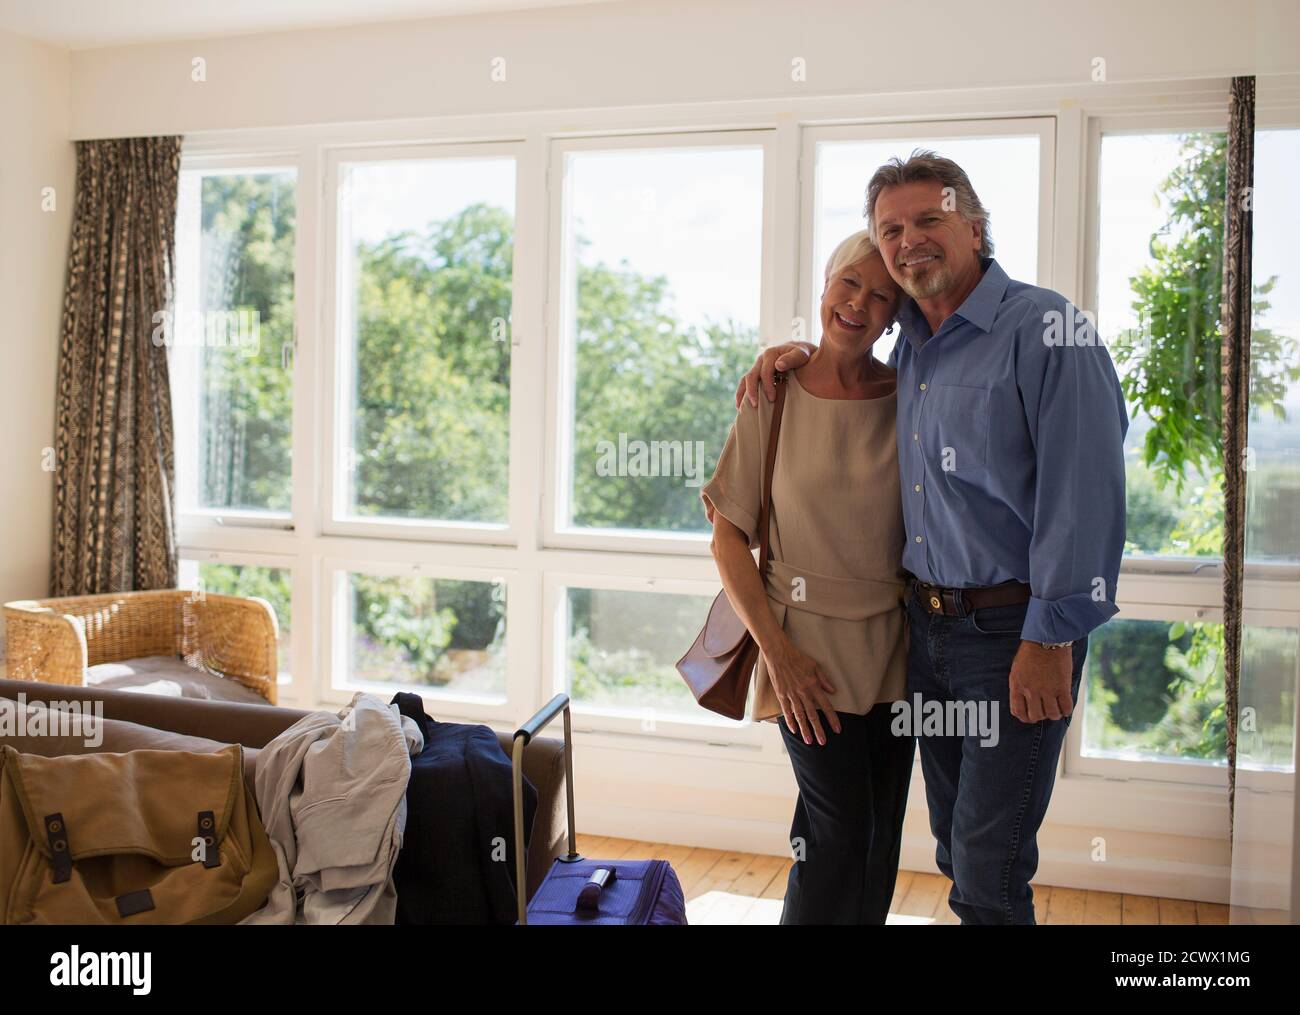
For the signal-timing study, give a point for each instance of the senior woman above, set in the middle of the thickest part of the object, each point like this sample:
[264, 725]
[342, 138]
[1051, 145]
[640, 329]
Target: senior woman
[828, 616]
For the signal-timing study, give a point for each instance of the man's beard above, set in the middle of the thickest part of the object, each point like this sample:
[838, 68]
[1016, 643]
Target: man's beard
[930, 284]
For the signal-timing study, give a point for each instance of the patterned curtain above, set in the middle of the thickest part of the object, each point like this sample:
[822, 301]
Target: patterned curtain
[1236, 319]
[114, 523]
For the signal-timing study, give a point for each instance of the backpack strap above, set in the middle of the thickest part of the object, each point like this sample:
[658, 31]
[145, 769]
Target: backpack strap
[56, 833]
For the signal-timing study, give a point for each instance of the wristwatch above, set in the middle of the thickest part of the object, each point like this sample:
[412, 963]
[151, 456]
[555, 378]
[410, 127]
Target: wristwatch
[1055, 644]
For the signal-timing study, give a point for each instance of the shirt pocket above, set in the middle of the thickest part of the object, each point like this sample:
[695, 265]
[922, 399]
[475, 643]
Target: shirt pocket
[956, 427]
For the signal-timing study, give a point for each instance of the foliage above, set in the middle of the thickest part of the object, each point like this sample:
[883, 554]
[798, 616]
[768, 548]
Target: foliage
[1170, 372]
[1171, 363]
[246, 398]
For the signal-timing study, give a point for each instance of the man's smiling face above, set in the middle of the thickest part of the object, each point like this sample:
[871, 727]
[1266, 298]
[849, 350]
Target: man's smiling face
[925, 242]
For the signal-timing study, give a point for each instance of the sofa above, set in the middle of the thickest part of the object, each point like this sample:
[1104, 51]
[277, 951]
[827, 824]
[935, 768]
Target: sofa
[134, 721]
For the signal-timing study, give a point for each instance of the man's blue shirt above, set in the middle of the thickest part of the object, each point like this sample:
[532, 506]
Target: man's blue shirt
[1011, 427]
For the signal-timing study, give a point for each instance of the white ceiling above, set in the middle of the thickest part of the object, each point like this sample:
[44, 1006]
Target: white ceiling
[85, 24]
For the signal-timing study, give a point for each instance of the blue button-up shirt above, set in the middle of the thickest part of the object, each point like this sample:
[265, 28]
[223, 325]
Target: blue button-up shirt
[1011, 427]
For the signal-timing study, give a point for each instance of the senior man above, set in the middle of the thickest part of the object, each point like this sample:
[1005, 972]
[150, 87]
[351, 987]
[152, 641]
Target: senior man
[1011, 429]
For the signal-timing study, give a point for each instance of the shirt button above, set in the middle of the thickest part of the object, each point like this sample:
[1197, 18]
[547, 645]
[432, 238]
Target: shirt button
[916, 437]
[917, 488]
[918, 539]
[922, 387]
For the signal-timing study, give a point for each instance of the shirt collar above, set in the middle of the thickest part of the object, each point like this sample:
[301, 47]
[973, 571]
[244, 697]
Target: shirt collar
[980, 308]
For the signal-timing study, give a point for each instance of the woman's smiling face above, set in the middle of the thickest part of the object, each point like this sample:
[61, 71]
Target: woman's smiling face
[858, 304]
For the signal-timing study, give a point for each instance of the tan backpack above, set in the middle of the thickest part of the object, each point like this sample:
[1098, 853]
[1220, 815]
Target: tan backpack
[158, 837]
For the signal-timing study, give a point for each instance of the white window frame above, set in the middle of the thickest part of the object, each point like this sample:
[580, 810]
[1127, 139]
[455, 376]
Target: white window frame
[561, 387]
[1159, 587]
[192, 520]
[706, 726]
[290, 690]
[337, 435]
[338, 688]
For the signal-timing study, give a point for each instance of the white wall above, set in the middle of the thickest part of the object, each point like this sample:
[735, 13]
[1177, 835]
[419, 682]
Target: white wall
[652, 52]
[34, 153]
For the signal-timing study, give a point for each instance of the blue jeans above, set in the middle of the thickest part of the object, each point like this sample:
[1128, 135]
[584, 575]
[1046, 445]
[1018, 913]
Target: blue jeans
[986, 801]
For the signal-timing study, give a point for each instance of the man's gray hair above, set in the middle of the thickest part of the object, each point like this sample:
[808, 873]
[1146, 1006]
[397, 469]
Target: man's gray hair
[924, 164]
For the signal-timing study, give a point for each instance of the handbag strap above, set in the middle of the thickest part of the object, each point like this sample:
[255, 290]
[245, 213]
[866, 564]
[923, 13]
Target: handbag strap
[765, 511]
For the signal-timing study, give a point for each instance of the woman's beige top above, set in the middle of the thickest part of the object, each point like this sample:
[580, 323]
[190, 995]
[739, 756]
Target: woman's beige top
[835, 580]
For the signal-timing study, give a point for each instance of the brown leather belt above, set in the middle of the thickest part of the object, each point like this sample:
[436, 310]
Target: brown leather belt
[960, 602]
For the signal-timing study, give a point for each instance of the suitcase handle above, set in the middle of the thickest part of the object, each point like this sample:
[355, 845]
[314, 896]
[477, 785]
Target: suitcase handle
[525, 733]
[589, 897]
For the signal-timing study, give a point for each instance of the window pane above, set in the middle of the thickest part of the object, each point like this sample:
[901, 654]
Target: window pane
[662, 275]
[231, 357]
[425, 273]
[1270, 657]
[1273, 484]
[1159, 278]
[1003, 171]
[438, 635]
[1154, 691]
[274, 584]
[623, 647]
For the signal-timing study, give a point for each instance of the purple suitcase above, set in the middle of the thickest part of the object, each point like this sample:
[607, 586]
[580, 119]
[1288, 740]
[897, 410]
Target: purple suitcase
[578, 891]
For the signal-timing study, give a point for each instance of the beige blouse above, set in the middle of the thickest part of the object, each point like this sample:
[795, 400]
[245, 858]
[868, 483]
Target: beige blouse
[835, 579]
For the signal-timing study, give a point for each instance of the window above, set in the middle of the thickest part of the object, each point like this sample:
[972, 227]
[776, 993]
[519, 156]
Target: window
[232, 340]
[1154, 688]
[660, 276]
[1270, 656]
[1153, 691]
[1270, 659]
[1004, 166]
[1273, 482]
[436, 636]
[274, 584]
[425, 250]
[1159, 275]
[622, 647]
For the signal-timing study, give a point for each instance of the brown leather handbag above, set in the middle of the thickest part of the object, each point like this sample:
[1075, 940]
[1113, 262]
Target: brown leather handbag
[717, 667]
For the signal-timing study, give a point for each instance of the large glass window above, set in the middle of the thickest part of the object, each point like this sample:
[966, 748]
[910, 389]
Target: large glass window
[1154, 688]
[425, 251]
[231, 338]
[622, 648]
[1159, 283]
[436, 636]
[661, 275]
[1154, 691]
[1273, 479]
[274, 584]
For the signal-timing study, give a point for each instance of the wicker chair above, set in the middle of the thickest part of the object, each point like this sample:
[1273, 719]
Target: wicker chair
[58, 640]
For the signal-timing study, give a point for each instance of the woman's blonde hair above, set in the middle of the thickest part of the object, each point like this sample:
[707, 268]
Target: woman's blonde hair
[850, 250]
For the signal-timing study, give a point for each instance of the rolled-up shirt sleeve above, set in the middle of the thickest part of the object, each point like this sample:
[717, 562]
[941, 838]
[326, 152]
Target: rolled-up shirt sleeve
[1077, 419]
[736, 487]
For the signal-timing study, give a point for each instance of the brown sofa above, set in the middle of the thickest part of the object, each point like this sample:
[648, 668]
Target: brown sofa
[134, 721]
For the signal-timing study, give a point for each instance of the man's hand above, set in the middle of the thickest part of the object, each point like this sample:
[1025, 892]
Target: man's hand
[1040, 682]
[766, 367]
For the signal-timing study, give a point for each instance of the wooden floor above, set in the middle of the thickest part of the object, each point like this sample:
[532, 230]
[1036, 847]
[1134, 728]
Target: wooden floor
[746, 888]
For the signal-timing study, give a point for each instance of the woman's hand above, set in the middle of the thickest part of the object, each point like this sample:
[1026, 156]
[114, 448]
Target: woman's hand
[802, 688]
[770, 362]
